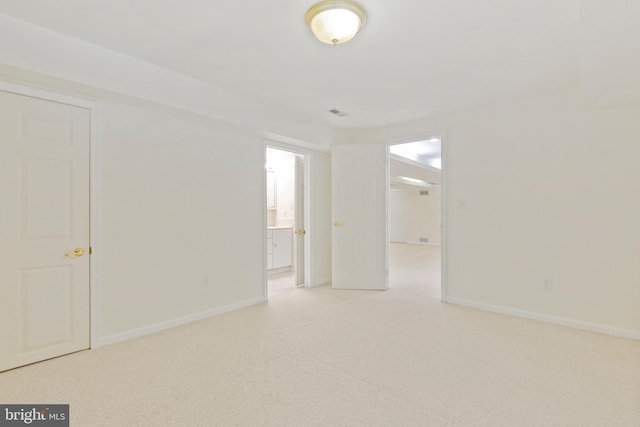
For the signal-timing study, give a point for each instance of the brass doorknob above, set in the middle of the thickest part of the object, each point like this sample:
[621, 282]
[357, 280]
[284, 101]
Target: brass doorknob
[337, 224]
[76, 252]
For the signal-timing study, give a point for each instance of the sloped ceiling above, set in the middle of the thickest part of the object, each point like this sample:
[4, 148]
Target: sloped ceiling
[414, 59]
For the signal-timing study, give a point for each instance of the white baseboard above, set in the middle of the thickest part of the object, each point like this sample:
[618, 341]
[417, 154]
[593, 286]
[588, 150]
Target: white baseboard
[146, 330]
[556, 320]
[321, 282]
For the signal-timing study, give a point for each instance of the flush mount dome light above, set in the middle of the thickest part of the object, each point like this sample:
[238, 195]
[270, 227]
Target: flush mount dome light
[335, 21]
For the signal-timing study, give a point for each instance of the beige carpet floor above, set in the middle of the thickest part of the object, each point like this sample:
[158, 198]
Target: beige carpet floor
[279, 283]
[319, 357]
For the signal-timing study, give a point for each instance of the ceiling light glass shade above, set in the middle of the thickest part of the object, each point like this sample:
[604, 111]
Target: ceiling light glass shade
[335, 21]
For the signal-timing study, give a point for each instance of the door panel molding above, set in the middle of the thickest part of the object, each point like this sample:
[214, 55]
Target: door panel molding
[359, 179]
[94, 184]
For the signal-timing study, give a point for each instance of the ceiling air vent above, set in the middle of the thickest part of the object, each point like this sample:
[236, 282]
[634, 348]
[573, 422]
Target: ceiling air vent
[338, 113]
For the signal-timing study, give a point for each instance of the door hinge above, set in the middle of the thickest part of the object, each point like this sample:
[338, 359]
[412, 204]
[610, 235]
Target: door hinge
[90, 250]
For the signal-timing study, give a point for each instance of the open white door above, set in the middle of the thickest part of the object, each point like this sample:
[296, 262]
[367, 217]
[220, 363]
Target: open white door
[300, 231]
[359, 197]
[44, 250]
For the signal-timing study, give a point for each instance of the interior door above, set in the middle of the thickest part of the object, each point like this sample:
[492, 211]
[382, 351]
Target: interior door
[44, 182]
[359, 205]
[300, 231]
[398, 216]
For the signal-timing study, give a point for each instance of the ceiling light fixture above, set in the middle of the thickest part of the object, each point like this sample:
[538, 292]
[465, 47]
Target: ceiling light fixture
[335, 21]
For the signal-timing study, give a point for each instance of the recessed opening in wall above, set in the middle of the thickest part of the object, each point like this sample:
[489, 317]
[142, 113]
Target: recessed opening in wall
[415, 214]
[286, 232]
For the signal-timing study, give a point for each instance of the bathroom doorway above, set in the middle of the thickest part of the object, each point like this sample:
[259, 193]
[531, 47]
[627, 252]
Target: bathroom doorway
[286, 217]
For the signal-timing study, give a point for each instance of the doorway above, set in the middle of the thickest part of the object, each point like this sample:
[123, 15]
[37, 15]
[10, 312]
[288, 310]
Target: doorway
[287, 218]
[415, 214]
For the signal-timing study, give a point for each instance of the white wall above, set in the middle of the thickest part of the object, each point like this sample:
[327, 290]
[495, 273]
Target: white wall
[551, 192]
[424, 215]
[169, 150]
[168, 218]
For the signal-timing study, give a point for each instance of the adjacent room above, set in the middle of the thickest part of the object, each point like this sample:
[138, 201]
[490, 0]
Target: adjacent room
[415, 212]
[285, 220]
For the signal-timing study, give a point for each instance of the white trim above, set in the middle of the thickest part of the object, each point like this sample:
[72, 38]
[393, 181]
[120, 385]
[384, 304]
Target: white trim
[444, 156]
[308, 216]
[293, 143]
[265, 238]
[161, 326]
[387, 190]
[20, 89]
[547, 318]
[94, 191]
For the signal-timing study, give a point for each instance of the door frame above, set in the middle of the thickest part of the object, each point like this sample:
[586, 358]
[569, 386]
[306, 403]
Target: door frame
[94, 191]
[444, 152]
[307, 161]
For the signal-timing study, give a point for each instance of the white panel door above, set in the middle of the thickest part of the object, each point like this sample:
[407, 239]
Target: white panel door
[398, 216]
[359, 205]
[44, 181]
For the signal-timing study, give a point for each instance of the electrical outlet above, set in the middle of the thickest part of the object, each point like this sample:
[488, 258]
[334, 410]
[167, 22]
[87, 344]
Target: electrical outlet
[205, 281]
[547, 284]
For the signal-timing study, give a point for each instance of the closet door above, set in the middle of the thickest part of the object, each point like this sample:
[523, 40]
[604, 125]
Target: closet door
[44, 244]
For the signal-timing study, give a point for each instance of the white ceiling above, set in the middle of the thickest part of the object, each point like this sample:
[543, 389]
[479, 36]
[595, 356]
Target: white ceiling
[414, 58]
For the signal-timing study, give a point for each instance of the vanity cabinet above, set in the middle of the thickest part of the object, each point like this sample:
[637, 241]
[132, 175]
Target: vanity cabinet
[279, 248]
[269, 249]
